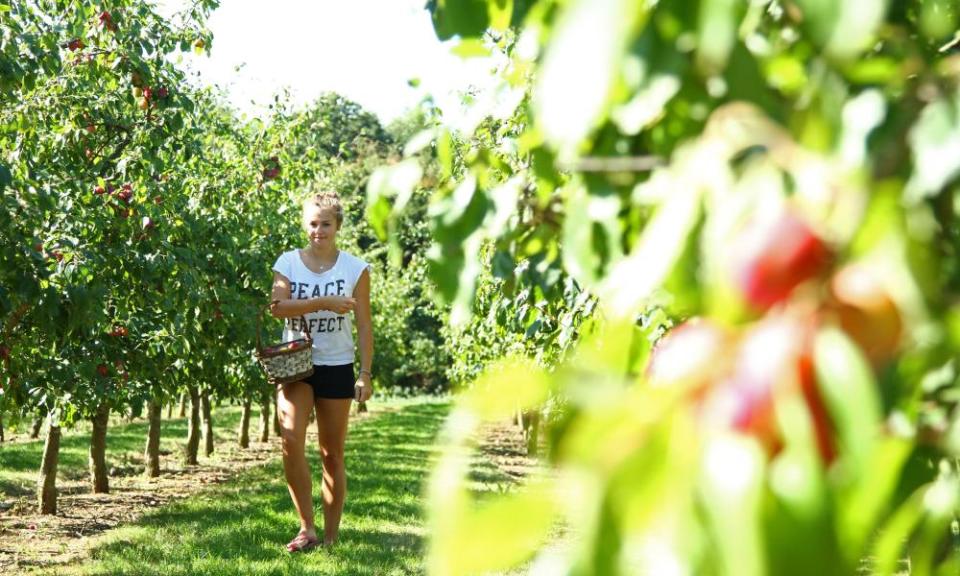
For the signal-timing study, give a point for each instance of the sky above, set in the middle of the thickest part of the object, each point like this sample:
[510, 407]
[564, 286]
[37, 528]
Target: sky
[365, 50]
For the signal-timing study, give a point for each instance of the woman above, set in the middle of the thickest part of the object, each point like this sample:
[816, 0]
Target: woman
[323, 284]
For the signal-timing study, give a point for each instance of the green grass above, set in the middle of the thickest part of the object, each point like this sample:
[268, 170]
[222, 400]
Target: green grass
[20, 461]
[241, 526]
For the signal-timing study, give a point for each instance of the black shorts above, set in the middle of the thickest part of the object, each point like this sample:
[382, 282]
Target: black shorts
[333, 381]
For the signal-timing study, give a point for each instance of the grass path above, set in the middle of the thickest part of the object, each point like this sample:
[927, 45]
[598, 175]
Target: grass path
[241, 525]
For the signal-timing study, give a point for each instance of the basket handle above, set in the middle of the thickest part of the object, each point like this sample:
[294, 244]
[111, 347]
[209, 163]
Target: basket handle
[303, 324]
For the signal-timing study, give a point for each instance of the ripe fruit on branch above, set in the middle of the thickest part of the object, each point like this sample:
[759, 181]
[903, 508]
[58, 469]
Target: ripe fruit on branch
[103, 370]
[272, 168]
[690, 355]
[774, 358]
[776, 255]
[143, 103]
[99, 190]
[270, 173]
[106, 21]
[866, 311]
[147, 93]
[125, 193]
[75, 44]
[162, 92]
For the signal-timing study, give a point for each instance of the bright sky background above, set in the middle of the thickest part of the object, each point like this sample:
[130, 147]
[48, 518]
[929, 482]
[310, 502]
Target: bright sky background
[366, 50]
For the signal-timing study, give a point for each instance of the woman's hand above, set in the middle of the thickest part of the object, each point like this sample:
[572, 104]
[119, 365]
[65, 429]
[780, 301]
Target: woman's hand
[337, 304]
[363, 389]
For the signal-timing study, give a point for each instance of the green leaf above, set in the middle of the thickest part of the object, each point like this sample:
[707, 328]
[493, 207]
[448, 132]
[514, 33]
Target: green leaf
[501, 13]
[935, 144]
[876, 70]
[648, 104]
[581, 65]
[5, 177]
[843, 29]
[396, 182]
[378, 215]
[732, 488]
[660, 247]
[862, 507]
[942, 503]
[786, 73]
[888, 548]
[471, 48]
[845, 381]
[593, 238]
[505, 387]
[717, 33]
[419, 141]
[513, 526]
[938, 18]
[464, 18]
[505, 198]
[445, 152]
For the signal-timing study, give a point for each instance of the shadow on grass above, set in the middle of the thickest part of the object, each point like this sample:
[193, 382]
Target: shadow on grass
[240, 527]
[125, 444]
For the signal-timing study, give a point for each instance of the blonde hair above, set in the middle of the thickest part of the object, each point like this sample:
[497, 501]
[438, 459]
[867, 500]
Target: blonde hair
[325, 200]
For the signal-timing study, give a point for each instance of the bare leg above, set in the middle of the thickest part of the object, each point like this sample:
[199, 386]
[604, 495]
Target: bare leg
[332, 418]
[294, 402]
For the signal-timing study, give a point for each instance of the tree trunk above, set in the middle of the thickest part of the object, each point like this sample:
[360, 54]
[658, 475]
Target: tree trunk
[98, 450]
[244, 435]
[2, 437]
[265, 416]
[531, 430]
[169, 411]
[35, 429]
[183, 404]
[151, 455]
[276, 414]
[193, 427]
[47, 481]
[207, 424]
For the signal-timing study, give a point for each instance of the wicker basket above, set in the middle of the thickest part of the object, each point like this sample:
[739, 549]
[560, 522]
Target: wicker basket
[288, 361]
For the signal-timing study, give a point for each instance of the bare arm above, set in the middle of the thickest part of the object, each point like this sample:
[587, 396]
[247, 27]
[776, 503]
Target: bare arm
[291, 308]
[361, 293]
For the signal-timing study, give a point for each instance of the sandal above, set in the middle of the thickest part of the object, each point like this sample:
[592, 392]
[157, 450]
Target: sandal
[303, 543]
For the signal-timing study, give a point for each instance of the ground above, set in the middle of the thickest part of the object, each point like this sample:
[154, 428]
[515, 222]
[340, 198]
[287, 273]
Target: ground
[389, 447]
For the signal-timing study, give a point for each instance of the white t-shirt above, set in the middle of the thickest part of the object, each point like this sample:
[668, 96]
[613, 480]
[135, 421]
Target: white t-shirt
[332, 333]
